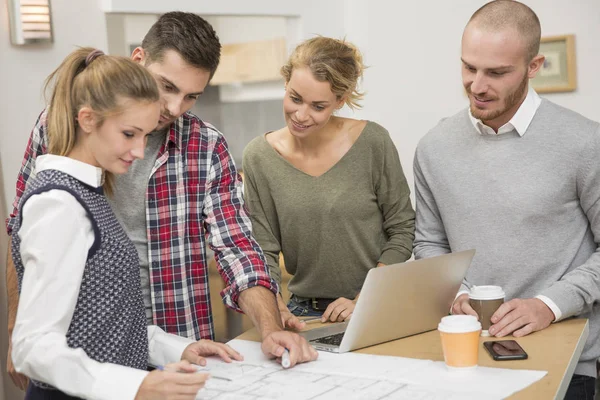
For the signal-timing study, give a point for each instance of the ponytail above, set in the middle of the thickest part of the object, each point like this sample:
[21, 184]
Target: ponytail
[89, 78]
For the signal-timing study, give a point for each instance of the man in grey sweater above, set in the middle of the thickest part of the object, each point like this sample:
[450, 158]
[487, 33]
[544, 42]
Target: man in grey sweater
[517, 178]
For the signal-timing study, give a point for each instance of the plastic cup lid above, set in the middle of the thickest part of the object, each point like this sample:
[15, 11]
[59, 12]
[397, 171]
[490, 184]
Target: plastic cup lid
[486, 292]
[459, 324]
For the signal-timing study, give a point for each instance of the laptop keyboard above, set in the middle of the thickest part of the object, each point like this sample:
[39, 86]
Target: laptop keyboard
[333, 340]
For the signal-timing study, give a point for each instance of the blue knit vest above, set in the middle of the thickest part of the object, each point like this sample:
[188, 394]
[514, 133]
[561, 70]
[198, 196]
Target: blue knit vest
[109, 322]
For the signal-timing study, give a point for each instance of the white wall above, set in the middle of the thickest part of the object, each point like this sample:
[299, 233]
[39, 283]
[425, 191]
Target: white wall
[414, 54]
[136, 27]
[317, 16]
[23, 70]
[239, 29]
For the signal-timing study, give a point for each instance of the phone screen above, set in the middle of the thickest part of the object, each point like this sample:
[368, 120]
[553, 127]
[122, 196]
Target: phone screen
[505, 350]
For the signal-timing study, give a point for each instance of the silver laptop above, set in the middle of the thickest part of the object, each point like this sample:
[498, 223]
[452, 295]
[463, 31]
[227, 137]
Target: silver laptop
[396, 301]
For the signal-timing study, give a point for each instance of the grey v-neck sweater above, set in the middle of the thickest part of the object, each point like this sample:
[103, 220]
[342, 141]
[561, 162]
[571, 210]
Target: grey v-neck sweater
[333, 228]
[529, 205]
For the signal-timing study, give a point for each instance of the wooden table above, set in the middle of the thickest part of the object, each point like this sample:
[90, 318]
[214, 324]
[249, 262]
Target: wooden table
[556, 349]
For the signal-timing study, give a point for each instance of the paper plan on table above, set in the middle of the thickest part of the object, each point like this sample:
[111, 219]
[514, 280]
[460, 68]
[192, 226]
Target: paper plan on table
[355, 376]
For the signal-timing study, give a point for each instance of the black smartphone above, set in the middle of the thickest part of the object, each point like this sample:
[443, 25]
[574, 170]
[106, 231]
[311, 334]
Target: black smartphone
[501, 350]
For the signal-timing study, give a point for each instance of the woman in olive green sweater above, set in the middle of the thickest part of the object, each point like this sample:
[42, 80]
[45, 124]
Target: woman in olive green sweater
[328, 192]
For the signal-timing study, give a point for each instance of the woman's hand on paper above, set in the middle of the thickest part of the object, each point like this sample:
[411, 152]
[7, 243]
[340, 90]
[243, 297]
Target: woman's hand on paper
[195, 352]
[176, 381]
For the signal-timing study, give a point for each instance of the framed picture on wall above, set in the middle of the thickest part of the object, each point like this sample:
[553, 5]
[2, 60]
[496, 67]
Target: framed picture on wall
[558, 72]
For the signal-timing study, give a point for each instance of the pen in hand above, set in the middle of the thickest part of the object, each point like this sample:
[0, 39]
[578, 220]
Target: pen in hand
[285, 359]
[188, 368]
[167, 368]
[210, 374]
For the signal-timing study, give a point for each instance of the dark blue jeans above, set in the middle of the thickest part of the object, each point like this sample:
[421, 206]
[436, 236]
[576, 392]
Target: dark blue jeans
[36, 393]
[302, 308]
[582, 387]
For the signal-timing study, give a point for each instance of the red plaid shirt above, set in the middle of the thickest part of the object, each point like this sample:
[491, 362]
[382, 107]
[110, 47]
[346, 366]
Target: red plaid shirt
[193, 195]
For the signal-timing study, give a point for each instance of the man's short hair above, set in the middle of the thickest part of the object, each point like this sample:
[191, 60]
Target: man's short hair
[501, 14]
[189, 35]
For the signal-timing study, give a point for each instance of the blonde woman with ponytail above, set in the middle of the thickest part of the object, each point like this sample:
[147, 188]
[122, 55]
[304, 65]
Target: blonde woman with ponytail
[325, 191]
[80, 330]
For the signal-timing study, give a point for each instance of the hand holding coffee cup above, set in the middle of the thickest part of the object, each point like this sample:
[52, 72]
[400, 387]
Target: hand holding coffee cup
[485, 300]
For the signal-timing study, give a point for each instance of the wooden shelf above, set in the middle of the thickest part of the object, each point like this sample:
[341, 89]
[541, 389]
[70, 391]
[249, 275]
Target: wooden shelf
[251, 62]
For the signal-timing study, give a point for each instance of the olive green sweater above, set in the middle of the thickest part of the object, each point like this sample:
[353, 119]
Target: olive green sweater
[333, 228]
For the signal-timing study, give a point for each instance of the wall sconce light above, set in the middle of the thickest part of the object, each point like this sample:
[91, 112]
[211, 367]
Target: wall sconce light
[30, 21]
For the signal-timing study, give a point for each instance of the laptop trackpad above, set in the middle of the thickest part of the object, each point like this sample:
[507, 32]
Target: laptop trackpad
[328, 330]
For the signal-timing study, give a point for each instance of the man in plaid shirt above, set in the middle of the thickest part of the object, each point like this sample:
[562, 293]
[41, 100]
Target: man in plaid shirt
[185, 190]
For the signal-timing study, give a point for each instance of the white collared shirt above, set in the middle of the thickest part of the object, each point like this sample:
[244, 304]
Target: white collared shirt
[56, 235]
[519, 122]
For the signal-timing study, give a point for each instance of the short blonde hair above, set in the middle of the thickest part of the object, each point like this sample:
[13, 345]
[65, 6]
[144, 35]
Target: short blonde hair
[330, 60]
[501, 14]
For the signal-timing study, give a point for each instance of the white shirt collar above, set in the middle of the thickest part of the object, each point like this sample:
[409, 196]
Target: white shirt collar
[519, 122]
[86, 173]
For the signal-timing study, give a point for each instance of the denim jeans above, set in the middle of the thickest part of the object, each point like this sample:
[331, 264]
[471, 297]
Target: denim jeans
[302, 308]
[582, 387]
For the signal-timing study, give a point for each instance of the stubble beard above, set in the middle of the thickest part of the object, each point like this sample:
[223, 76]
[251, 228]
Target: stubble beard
[511, 100]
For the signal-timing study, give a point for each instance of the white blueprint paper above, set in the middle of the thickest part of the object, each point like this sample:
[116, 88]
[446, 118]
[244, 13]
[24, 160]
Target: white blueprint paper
[356, 376]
